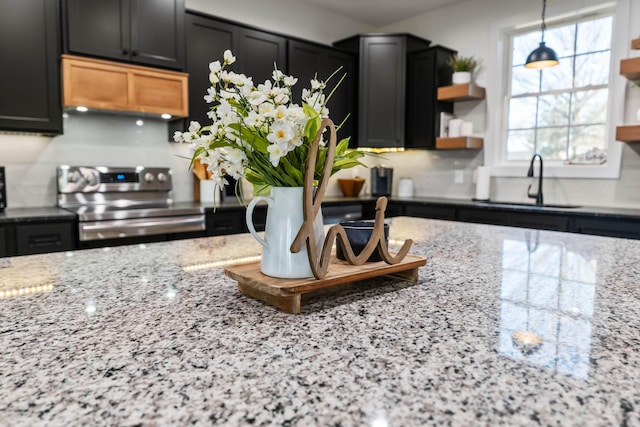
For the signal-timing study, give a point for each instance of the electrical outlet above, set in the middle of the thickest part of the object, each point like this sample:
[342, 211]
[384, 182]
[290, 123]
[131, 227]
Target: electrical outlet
[458, 176]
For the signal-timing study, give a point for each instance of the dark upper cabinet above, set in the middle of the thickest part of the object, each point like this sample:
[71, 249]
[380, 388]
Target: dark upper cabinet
[426, 71]
[30, 83]
[258, 52]
[207, 38]
[306, 60]
[382, 86]
[145, 32]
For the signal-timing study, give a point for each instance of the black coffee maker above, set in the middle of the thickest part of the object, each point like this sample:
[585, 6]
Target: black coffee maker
[381, 180]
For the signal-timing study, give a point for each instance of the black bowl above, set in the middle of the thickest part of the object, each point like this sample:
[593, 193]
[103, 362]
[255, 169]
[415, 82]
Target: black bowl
[358, 233]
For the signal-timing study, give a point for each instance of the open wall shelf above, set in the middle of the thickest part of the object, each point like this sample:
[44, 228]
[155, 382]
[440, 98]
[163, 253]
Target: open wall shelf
[459, 143]
[465, 92]
[628, 133]
[630, 68]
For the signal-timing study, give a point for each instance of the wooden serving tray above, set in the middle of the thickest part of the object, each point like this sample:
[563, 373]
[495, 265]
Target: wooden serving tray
[286, 293]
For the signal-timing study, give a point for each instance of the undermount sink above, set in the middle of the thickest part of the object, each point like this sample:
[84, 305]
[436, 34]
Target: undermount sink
[546, 205]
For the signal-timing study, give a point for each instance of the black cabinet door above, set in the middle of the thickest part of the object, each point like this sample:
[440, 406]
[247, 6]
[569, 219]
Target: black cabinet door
[427, 70]
[98, 27]
[515, 219]
[430, 211]
[207, 39]
[142, 31]
[29, 63]
[258, 52]
[611, 227]
[308, 60]
[157, 33]
[382, 92]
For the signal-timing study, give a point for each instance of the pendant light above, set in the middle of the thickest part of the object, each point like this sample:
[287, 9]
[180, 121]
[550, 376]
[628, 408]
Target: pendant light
[543, 56]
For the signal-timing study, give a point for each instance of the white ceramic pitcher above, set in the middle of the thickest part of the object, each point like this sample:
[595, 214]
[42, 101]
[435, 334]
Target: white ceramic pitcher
[284, 219]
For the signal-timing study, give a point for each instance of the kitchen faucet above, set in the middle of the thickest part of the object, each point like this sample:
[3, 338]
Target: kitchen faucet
[538, 195]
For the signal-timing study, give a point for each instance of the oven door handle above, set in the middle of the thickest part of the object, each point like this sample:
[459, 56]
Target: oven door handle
[140, 227]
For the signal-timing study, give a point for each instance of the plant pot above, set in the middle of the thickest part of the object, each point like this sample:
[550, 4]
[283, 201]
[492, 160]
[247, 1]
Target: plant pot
[461, 77]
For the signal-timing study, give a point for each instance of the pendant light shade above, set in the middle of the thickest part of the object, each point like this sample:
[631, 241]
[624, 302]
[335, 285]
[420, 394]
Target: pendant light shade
[543, 56]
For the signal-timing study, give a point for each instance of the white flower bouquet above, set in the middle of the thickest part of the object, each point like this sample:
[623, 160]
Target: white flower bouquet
[257, 133]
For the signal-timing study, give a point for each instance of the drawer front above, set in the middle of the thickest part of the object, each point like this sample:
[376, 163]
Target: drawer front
[608, 227]
[221, 223]
[436, 212]
[516, 219]
[44, 238]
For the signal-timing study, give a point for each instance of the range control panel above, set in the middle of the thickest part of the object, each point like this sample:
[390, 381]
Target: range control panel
[3, 189]
[100, 179]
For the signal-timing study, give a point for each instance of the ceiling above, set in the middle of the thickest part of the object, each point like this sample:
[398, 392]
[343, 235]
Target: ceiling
[379, 13]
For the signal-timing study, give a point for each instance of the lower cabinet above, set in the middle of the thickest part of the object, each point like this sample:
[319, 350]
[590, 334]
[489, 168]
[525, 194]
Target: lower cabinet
[435, 212]
[611, 227]
[515, 219]
[4, 244]
[232, 221]
[45, 238]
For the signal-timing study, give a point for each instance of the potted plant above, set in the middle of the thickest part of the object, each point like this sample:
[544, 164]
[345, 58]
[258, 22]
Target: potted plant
[463, 67]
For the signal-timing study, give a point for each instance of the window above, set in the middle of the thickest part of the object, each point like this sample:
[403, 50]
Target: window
[560, 112]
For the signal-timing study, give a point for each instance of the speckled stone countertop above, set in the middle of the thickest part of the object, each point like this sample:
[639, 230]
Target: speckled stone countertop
[156, 334]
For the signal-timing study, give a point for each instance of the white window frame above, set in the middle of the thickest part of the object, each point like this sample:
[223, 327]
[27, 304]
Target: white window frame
[501, 33]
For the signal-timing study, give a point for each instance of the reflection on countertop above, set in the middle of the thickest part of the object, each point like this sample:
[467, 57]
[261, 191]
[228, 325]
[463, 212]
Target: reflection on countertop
[157, 334]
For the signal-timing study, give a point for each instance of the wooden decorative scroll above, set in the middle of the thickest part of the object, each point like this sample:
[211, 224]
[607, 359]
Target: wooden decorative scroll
[319, 258]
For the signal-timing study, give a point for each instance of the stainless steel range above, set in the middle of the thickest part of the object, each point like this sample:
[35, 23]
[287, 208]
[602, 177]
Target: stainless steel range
[121, 202]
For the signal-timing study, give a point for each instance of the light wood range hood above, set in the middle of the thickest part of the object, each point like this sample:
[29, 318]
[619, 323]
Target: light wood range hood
[107, 85]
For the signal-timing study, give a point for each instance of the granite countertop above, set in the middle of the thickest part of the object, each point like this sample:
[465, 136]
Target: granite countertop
[22, 215]
[156, 334]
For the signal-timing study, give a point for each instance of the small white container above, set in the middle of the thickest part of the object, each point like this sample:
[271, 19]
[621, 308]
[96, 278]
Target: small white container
[405, 187]
[454, 127]
[208, 192]
[466, 129]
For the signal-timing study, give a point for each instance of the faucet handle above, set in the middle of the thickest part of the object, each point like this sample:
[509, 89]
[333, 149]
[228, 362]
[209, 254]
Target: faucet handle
[531, 196]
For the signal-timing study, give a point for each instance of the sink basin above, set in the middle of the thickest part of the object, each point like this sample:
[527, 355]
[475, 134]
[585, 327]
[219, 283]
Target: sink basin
[546, 205]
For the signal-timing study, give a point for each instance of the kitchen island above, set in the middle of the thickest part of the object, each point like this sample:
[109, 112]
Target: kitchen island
[506, 326]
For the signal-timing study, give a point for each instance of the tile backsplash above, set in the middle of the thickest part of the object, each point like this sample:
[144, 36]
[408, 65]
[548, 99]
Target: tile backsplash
[91, 139]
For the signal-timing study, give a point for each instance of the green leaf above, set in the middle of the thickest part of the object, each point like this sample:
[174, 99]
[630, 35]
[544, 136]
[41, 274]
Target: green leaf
[313, 124]
[257, 141]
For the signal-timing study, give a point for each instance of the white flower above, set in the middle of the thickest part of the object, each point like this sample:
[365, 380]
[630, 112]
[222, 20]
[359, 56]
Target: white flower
[290, 81]
[266, 109]
[177, 136]
[215, 67]
[317, 85]
[265, 87]
[253, 119]
[276, 151]
[214, 78]
[228, 57]
[256, 98]
[281, 112]
[211, 95]
[281, 133]
[277, 75]
[194, 127]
